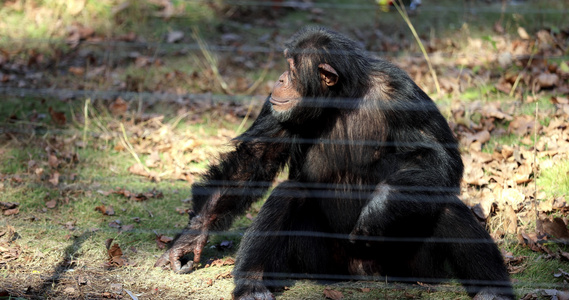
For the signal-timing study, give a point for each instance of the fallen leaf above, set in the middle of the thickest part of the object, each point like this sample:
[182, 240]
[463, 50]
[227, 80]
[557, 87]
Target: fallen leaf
[114, 250]
[118, 107]
[223, 262]
[523, 33]
[54, 179]
[105, 210]
[547, 80]
[57, 117]
[128, 227]
[522, 125]
[481, 136]
[333, 294]
[512, 196]
[12, 211]
[51, 203]
[8, 205]
[162, 240]
[510, 219]
[523, 173]
[555, 228]
[174, 36]
[77, 71]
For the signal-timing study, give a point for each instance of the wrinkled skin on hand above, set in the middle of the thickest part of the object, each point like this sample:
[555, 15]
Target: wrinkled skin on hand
[192, 239]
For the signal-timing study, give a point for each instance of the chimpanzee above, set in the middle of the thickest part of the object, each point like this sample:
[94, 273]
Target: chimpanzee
[374, 173]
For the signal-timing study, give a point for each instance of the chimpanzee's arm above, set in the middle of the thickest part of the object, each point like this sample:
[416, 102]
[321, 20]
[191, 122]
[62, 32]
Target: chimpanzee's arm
[229, 187]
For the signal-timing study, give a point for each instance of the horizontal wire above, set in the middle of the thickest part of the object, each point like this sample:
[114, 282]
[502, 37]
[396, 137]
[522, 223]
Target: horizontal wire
[408, 279]
[478, 8]
[164, 46]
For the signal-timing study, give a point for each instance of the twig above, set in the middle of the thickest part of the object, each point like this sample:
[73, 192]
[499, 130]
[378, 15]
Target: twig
[535, 161]
[211, 60]
[403, 12]
[130, 149]
[86, 117]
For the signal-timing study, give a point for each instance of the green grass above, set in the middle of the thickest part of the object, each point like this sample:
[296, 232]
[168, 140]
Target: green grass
[554, 180]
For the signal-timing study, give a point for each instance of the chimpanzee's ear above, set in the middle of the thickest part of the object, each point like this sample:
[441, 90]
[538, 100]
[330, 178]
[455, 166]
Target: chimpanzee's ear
[328, 74]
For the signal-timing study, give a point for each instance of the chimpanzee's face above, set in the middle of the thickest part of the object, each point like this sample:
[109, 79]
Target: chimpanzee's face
[287, 92]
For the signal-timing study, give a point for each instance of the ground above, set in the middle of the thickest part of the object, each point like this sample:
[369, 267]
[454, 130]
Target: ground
[109, 110]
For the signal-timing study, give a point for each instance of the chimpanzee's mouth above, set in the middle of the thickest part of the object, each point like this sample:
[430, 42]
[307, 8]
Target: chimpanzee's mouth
[275, 101]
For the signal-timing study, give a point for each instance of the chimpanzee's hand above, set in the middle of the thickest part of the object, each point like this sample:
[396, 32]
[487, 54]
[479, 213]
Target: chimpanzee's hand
[190, 240]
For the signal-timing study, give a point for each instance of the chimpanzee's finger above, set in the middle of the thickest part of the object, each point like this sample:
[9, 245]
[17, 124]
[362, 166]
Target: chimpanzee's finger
[187, 268]
[163, 260]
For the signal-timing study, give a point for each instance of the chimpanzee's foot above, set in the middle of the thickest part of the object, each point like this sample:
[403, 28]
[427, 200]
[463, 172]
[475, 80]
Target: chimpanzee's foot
[248, 289]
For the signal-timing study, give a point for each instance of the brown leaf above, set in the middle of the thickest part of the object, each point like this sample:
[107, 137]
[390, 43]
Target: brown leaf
[523, 33]
[475, 176]
[118, 107]
[226, 274]
[547, 80]
[223, 262]
[559, 100]
[493, 112]
[12, 211]
[105, 210]
[522, 125]
[510, 219]
[8, 205]
[333, 294]
[52, 161]
[523, 173]
[77, 71]
[57, 117]
[545, 205]
[138, 169]
[128, 227]
[512, 197]
[51, 203]
[114, 250]
[162, 240]
[481, 136]
[54, 178]
[165, 239]
[555, 228]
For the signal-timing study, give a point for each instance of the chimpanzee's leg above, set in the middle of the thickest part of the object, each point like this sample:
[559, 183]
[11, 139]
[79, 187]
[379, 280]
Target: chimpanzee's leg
[282, 244]
[471, 253]
[420, 232]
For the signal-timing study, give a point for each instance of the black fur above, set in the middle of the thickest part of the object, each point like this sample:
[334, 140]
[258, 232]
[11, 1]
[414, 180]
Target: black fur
[374, 173]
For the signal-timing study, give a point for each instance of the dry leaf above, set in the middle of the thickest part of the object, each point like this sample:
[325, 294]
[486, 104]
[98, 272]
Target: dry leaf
[77, 71]
[512, 196]
[547, 80]
[174, 36]
[57, 117]
[523, 33]
[523, 173]
[333, 294]
[481, 136]
[12, 211]
[52, 161]
[522, 125]
[54, 178]
[118, 107]
[555, 228]
[105, 210]
[510, 219]
[51, 203]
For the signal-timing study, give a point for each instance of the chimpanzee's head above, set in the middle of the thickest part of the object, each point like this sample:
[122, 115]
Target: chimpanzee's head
[322, 65]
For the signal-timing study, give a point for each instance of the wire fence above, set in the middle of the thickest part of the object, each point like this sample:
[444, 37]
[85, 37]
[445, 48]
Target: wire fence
[256, 189]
